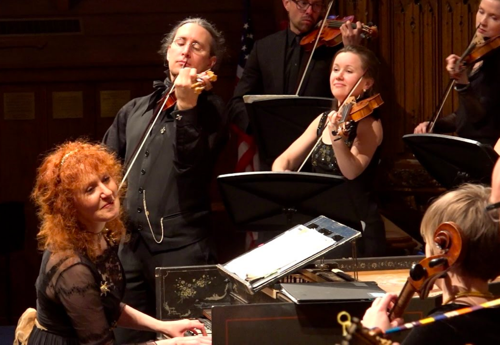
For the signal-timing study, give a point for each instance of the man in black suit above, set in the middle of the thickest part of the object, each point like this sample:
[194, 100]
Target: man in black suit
[275, 64]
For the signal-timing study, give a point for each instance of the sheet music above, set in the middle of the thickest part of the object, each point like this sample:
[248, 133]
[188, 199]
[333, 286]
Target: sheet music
[253, 98]
[272, 258]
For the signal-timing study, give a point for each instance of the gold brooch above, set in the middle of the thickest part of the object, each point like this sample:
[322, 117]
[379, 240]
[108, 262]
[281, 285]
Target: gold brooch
[105, 285]
[104, 288]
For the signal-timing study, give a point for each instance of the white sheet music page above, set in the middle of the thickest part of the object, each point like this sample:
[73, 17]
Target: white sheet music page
[273, 257]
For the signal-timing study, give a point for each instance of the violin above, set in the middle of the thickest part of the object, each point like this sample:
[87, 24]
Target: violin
[475, 52]
[356, 111]
[331, 35]
[480, 50]
[427, 271]
[167, 101]
[169, 97]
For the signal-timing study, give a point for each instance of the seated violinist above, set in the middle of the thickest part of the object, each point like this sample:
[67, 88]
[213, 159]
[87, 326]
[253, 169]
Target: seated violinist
[351, 153]
[466, 282]
[477, 84]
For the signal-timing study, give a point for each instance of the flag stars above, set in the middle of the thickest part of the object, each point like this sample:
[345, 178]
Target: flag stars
[244, 48]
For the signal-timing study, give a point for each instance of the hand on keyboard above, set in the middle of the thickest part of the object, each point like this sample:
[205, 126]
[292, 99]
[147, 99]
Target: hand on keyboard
[196, 340]
[179, 327]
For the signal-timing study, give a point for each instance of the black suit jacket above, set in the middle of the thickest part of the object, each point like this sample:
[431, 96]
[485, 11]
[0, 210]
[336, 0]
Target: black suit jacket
[265, 70]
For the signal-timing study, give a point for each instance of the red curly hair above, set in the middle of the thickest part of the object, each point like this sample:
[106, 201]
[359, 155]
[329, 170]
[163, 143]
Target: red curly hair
[62, 173]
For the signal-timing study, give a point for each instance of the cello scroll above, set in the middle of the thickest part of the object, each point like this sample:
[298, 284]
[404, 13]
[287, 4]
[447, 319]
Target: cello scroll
[423, 275]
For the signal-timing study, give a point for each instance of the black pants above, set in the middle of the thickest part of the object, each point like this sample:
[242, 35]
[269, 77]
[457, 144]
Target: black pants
[139, 265]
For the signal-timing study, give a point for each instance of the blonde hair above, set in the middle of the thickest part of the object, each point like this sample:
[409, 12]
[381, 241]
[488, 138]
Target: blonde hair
[60, 175]
[480, 234]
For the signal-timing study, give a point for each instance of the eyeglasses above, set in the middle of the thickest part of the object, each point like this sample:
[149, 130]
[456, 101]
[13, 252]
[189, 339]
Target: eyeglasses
[196, 47]
[492, 210]
[304, 5]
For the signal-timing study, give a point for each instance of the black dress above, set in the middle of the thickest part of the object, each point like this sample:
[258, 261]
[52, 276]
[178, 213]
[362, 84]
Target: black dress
[78, 301]
[357, 200]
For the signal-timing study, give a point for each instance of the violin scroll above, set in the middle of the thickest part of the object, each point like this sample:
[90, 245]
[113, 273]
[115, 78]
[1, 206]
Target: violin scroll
[200, 84]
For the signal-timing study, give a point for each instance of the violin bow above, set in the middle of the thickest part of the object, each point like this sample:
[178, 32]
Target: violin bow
[328, 122]
[323, 23]
[451, 83]
[144, 136]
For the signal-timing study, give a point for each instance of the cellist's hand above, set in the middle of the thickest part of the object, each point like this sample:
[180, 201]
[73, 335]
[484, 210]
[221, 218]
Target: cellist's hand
[350, 36]
[457, 72]
[377, 314]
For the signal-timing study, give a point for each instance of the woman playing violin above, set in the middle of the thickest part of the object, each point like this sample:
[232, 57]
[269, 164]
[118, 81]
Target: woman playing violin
[466, 283]
[477, 116]
[354, 156]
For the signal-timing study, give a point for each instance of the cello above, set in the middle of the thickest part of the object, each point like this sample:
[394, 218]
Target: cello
[420, 281]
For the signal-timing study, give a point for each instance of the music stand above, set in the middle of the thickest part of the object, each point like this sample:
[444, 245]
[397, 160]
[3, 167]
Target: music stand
[276, 201]
[452, 160]
[278, 120]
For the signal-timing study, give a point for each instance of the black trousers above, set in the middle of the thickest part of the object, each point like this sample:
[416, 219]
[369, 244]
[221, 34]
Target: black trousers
[139, 265]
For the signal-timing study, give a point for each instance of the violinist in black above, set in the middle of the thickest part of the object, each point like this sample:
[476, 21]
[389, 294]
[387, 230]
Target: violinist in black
[352, 154]
[275, 61]
[477, 116]
[167, 200]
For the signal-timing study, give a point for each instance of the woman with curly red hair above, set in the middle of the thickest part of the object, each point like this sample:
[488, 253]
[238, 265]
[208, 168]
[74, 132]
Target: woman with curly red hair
[81, 281]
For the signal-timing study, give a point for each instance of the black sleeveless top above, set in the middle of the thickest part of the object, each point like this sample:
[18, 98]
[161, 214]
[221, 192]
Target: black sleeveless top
[356, 195]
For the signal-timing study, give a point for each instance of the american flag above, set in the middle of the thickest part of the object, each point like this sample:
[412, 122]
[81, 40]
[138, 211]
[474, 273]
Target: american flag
[247, 39]
[248, 159]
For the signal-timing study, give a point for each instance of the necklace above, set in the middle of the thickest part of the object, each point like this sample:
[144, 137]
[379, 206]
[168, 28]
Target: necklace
[487, 295]
[146, 212]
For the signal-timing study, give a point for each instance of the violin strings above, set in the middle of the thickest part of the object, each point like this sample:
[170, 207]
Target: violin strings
[328, 122]
[448, 315]
[314, 47]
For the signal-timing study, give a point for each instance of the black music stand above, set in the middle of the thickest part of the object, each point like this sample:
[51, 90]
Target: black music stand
[276, 121]
[452, 160]
[276, 201]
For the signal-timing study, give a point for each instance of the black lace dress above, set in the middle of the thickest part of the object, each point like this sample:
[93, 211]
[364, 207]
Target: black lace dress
[78, 301]
[354, 196]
